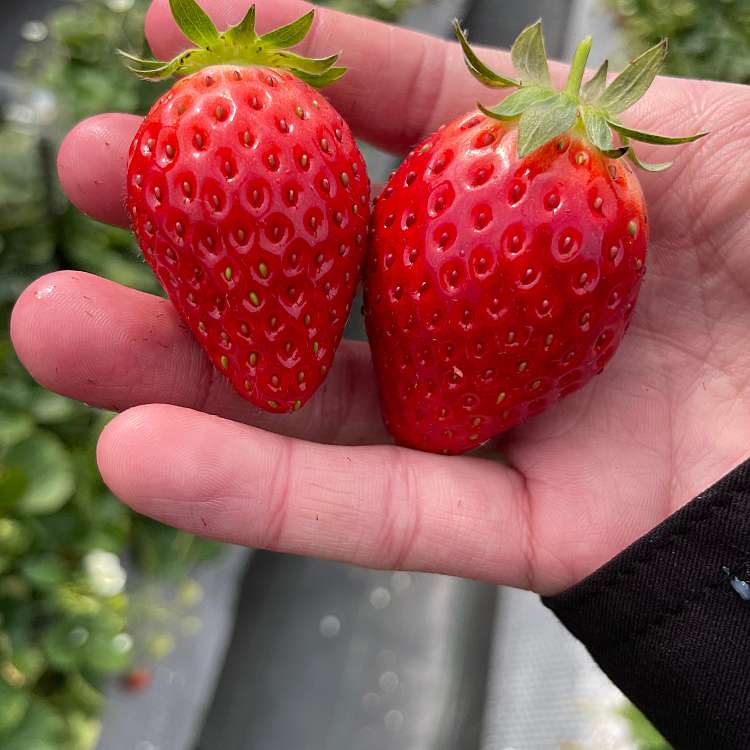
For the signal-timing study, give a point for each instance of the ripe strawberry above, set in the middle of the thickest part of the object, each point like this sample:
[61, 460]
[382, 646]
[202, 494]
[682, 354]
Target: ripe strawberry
[250, 201]
[507, 253]
[138, 681]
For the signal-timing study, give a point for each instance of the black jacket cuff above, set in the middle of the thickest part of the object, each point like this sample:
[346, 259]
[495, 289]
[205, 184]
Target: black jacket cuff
[664, 621]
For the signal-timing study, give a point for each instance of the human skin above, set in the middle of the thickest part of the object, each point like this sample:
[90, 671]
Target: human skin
[576, 485]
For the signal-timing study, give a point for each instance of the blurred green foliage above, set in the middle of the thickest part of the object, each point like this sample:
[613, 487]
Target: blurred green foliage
[65, 620]
[386, 10]
[708, 38]
[644, 734]
[63, 628]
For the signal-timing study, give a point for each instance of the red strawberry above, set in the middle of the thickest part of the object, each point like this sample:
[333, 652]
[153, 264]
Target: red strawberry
[250, 201]
[507, 255]
[138, 681]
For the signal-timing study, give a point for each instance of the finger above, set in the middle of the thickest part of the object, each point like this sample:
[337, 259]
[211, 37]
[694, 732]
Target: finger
[113, 347]
[380, 507]
[92, 163]
[400, 85]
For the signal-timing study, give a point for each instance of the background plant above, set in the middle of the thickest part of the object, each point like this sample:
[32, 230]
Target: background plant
[708, 38]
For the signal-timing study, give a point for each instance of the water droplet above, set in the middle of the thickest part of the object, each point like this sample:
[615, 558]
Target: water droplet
[371, 701]
[330, 626]
[400, 582]
[394, 720]
[388, 681]
[380, 597]
[78, 637]
[45, 291]
[122, 643]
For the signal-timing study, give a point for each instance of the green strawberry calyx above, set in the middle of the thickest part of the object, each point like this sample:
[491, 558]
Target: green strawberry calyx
[543, 113]
[238, 45]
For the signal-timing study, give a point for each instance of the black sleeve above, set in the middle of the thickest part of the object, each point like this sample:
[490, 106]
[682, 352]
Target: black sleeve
[666, 619]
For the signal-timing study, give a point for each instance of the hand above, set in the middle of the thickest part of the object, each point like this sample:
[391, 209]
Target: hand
[670, 416]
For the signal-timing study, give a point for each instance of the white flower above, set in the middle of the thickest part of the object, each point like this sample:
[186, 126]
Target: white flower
[105, 574]
[120, 6]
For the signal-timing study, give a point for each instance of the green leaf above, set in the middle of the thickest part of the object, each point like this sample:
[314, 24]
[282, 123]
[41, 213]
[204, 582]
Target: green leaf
[14, 703]
[42, 728]
[29, 661]
[643, 732]
[15, 537]
[291, 34]
[544, 121]
[478, 69]
[84, 693]
[43, 460]
[594, 87]
[140, 62]
[316, 66]
[14, 427]
[13, 485]
[244, 31]
[648, 166]
[518, 102]
[194, 22]
[149, 72]
[84, 731]
[634, 81]
[63, 644]
[49, 408]
[660, 140]
[44, 573]
[104, 654]
[319, 81]
[617, 153]
[597, 128]
[530, 56]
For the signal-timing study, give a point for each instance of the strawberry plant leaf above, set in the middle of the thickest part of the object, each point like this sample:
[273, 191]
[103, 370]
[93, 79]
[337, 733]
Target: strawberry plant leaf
[617, 153]
[319, 81]
[647, 166]
[530, 56]
[634, 81]
[518, 102]
[291, 34]
[14, 427]
[194, 22]
[244, 31]
[594, 87]
[15, 703]
[478, 69]
[597, 128]
[544, 121]
[316, 66]
[659, 140]
[152, 69]
[45, 463]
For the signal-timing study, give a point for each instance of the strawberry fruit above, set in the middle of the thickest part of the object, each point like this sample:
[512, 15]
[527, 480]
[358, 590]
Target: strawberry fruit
[507, 252]
[250, 200]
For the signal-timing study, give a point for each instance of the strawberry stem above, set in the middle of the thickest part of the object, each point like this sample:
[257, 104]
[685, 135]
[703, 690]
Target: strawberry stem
[543, 113]
[238, 45]
[578, 68]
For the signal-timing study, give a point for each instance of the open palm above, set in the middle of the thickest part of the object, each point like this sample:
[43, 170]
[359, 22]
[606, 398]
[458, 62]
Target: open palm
[670, 416]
